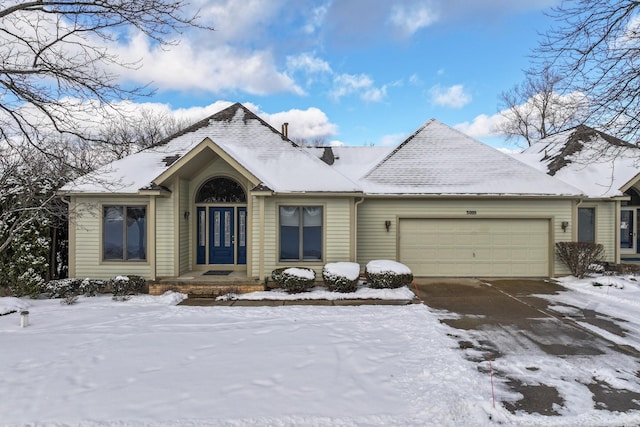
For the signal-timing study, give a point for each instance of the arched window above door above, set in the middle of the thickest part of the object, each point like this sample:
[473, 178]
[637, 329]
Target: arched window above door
[635, 198]
[221, 190]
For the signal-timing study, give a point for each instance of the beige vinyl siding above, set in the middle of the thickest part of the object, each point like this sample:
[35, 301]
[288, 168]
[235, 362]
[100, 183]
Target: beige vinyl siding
[374, 242]
[88, 244]
[605, 225]
[165, 236]
[336, 223]
[184, 239]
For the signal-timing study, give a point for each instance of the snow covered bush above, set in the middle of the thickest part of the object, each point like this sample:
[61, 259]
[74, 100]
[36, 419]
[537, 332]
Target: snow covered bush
[91, 287]
[341, 276]
[294, 280]
[24, 263]
[123, 287]
[580, 257]
[63, 288]
[383, 273]
[30, 283]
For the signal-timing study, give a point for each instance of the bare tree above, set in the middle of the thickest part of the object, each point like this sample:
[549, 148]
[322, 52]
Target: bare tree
[124, 135]
[55, 66]
[595, 48]
[534, 109]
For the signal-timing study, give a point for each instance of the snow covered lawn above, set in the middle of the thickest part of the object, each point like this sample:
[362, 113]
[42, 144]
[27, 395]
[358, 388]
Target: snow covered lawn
[149, 362]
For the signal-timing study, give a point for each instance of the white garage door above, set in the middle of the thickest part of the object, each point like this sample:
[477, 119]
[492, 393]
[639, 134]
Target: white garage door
[475, 247]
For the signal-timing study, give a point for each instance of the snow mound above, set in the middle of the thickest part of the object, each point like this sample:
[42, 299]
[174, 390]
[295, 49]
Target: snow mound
[303, 273]
[379, 266]
[348, 270]
[168, 298]
[11, 304]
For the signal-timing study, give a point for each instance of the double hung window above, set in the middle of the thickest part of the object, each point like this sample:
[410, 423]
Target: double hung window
[301, 233]
[124, 233]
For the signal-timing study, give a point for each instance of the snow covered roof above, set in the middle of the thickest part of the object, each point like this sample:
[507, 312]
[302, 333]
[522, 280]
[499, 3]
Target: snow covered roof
[351, 161]
[435, 160]
[438, 159]
[274, 160]
[598, 164]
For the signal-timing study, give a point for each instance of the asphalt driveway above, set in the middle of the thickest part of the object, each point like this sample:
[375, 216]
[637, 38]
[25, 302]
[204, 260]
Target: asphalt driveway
[543, 361]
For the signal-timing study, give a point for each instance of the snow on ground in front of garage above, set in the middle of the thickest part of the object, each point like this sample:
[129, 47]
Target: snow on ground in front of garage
[148, 362]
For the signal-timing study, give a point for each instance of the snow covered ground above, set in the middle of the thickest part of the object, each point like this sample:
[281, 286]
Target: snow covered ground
[148, 362]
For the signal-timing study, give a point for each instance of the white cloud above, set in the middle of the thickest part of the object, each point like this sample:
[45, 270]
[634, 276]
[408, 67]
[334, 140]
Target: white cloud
[310, 124]
[415, 80]
[361, 84]
[317, 18]
[408, 19]
[570, 105]
[308, 63]
[482, 126]
[217, 69]
[453, 96]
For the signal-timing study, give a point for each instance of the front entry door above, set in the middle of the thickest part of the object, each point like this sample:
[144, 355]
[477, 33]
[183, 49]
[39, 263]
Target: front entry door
[627, 231]
[221, 236]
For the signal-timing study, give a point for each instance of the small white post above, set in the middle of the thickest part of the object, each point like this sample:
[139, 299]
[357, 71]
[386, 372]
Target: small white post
[24, 319]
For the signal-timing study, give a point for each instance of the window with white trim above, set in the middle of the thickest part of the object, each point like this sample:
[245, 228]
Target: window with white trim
[124, 233]
[301, 233]
[587, 225]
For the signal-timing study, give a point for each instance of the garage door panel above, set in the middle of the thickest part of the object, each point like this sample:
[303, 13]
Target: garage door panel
[475, 247]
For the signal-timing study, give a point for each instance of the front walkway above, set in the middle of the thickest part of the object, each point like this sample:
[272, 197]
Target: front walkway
[276, 303]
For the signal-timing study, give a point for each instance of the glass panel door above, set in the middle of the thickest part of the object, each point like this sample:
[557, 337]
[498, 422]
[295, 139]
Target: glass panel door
[627, 231]
[242, 235]
[221, 248]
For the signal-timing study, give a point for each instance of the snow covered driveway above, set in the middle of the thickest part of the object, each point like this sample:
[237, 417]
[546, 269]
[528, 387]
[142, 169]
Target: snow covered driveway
[554, 357]
[147, 362]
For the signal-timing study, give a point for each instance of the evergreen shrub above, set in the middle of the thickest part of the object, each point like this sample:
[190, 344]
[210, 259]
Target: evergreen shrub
[337, 278]
[384, 274]
[294, 280]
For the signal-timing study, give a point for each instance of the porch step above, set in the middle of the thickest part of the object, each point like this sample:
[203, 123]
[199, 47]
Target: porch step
[204, 290]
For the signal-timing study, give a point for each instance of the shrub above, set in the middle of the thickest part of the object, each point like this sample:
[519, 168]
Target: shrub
[387, 274]
[294, 280]
[91, 287]
[65, 288]
[123, 287]
[581, 257]
[341, 276]
[29, 283]
[62, 288]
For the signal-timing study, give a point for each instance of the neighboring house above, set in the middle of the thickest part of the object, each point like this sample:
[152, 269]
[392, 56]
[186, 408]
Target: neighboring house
[233, 193]
[605, 169]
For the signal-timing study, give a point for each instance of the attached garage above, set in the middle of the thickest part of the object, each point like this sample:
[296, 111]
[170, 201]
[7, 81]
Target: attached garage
[475, 247]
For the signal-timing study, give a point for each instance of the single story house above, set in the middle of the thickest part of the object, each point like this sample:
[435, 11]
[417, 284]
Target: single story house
[606, 170]
[233, 193]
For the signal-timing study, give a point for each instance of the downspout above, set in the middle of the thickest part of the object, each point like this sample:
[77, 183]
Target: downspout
[261, 245]
[151, 250]
[616, 233]
[355, 229]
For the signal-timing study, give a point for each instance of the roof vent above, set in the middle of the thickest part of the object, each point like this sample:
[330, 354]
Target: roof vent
[169, 160]
[328, 156]
[285, 129]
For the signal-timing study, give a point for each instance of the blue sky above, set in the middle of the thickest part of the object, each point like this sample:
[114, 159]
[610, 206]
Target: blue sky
[358, 72]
